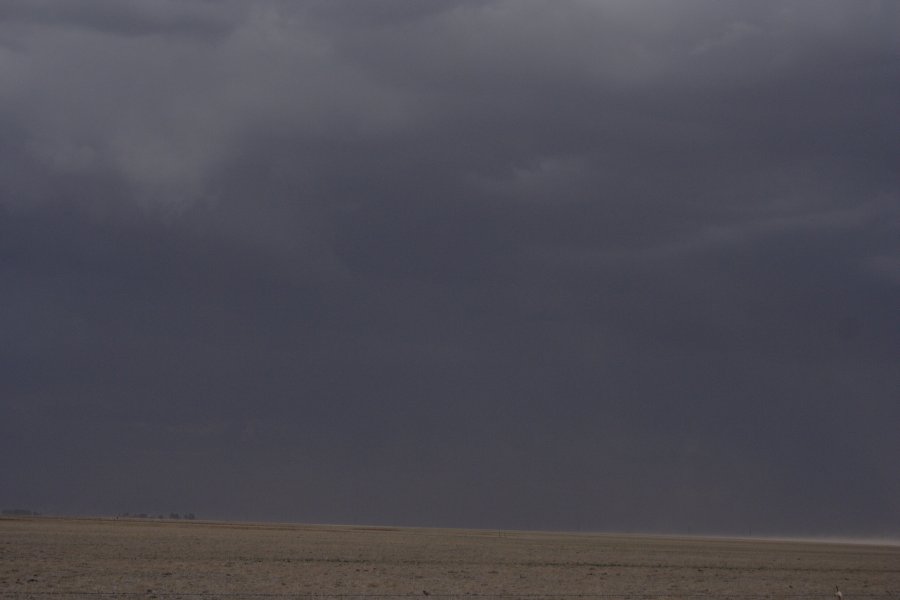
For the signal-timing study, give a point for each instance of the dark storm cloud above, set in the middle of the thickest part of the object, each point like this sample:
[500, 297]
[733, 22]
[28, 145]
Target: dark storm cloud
[127, 17]
[602, 265]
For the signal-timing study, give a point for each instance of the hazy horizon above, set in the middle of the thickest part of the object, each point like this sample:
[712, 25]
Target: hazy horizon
[735, 535]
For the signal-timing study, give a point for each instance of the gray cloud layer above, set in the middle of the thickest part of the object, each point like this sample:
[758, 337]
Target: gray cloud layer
[570, 264]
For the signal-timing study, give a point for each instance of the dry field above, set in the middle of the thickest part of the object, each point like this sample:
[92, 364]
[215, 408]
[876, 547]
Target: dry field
[48, 558]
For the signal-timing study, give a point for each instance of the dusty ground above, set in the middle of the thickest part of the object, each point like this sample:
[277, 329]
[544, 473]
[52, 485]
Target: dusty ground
[47, 558]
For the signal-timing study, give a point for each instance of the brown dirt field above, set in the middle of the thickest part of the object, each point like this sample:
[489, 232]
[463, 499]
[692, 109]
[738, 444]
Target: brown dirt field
[46, 558]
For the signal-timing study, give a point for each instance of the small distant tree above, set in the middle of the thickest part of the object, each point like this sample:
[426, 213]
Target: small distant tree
[190, 516]
[174, 515]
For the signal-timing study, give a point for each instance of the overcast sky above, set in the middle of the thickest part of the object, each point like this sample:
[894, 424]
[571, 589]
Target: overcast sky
[614, 265]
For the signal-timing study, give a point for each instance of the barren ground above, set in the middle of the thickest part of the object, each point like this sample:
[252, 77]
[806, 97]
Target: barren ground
[47, 558]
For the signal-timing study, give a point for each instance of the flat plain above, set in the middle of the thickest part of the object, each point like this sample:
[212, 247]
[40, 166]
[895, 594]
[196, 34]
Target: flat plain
[47, 557]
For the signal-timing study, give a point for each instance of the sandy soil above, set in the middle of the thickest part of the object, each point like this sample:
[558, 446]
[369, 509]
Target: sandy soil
[55, 558]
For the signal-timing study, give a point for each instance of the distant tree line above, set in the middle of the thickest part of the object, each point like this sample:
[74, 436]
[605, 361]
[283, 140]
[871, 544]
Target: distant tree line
[19, 512]
[174, 515]
[188, 516]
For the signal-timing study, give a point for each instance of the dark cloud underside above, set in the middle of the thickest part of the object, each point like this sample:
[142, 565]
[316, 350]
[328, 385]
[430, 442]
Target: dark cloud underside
[595, 265]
